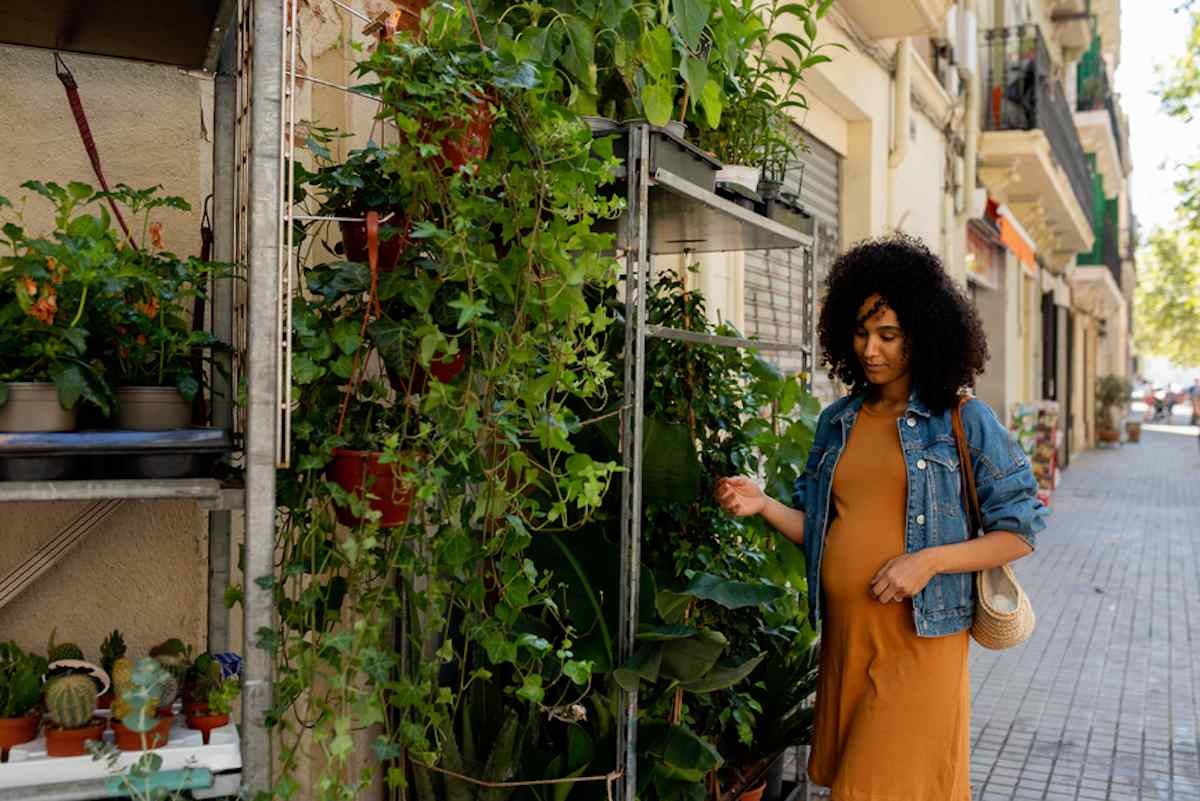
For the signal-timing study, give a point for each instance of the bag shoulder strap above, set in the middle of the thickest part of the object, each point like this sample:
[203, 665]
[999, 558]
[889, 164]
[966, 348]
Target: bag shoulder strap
[967, 468]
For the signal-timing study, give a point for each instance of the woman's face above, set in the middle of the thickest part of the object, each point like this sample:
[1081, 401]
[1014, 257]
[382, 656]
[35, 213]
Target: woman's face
[879, 342]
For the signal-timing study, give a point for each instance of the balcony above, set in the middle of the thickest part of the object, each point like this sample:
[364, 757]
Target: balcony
[1097, 120]
[897, 18]
[1030, 154]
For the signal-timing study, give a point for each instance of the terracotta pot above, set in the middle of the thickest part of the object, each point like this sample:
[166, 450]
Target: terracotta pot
[130, 740]
[471, 144]
[206, 723]
[444, 369]
[34, 406]
[152, 409]
[70, 742]
[14, 731]
[354, 237]
[753, 794]
[351, 470]
[194, 707]
[1108, 436]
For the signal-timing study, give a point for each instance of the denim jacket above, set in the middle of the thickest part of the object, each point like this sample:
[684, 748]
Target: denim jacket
[1004, 480]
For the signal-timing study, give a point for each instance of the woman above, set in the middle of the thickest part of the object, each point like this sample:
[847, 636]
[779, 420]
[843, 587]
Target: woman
[878, 510]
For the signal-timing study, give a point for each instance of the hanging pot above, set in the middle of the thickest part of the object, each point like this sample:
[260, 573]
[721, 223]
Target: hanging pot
[443, 368]
[70, 742]
[358, 472]
[152, 409]
[468, 145]
[14, 731]
[130, 740]
[205, 723]
[354, 237]
[34, 406]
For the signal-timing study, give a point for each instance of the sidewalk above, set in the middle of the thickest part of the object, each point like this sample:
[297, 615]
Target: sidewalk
[1102, 703]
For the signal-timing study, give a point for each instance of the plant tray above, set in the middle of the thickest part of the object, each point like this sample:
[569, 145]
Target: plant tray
[29, 766]
[176, 453]
[787, 210]
[677, 156]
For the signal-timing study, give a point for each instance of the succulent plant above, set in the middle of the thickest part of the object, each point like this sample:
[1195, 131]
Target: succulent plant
[140, 694]
[70, 700]
[20, 680]
[112, 649]
[66, 650]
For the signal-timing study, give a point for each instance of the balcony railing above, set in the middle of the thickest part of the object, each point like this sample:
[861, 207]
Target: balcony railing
[1093, 92]
[1022, 94]
[1111, 250]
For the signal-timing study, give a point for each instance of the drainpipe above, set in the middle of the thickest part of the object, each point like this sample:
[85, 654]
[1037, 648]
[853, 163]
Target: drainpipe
[903, 102]
[971, 149]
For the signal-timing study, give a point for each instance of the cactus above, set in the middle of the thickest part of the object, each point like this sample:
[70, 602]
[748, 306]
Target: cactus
[70, 700]
[175, 657]
[66, 650]
[112, 649]
[121, 673]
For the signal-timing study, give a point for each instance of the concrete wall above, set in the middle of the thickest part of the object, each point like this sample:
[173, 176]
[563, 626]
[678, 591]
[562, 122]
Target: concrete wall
[144, 570]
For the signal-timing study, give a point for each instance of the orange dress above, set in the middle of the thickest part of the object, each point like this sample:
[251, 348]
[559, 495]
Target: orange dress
[893, 709]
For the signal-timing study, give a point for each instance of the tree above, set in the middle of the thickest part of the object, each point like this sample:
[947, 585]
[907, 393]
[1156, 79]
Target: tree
[1168, 295]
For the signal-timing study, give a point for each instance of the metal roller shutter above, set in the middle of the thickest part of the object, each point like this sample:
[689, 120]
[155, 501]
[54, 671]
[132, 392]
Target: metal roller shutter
[774, 285]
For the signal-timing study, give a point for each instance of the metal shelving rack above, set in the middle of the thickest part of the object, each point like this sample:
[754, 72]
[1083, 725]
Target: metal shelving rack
[667, 214]
[240, 43]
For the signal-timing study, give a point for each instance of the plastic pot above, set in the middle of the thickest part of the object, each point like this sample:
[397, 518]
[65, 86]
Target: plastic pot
[34, 406]
[754, 793]
[206, 723]
[471, 144]
[14, 731]
[152, 409]
[70, 742]
[742, 175]
[354, 237]
[359, 472]
[130, 740]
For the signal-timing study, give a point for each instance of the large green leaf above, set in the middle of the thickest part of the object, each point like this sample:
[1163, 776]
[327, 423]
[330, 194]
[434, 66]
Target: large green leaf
[695, 74]
[70, 384]
[579, 55]
[668, 632]
[670, 465]
[690, 17]
[720, 678]
[645, 663]
[687, 756]
[658, 57]
[731, 594]
[658, 98]
[689, 659]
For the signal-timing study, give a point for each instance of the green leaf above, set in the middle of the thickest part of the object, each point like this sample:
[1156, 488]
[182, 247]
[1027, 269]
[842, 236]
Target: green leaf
[345, 335]
[712, 102]
[657, 102]
[579, 55]
[689, 659]
[722, 678]
[687, 756]
[670, 464]
[731, 594]
[3, 392]
[695, 73]
[645, 663]
[531, 689]
[469, 309]
[673, 631]
[579, 672]
[70, 384]
[657, 54]
[690, 17]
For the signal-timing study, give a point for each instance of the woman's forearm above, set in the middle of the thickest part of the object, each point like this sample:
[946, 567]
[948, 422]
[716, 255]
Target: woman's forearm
[787, 521]
[991, 550]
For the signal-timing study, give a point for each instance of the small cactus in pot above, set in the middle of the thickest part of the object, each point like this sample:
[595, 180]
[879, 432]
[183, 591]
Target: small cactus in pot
[176, 658]
[70, 701]
[58, 651]
[139, 721]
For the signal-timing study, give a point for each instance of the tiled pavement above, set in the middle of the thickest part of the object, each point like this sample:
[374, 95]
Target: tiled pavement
[1103, 702]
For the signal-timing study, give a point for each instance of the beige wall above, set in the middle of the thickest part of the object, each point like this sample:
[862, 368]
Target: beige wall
[144, 570]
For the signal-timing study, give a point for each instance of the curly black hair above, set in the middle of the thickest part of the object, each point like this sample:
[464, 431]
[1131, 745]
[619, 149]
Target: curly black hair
[944, 337]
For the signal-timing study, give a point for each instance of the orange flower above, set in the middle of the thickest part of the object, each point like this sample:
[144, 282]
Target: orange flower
[30, 286]
[57, 271]
[156, 237]
[46, 307]
[141, 339]
[148, 308]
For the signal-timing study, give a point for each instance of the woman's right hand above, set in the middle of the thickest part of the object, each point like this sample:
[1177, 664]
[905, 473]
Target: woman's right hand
[740, 496]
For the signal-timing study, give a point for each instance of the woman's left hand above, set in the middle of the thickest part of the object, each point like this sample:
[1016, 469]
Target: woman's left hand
[903, 577]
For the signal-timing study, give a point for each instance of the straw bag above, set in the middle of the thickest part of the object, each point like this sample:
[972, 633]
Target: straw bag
[1003, 615]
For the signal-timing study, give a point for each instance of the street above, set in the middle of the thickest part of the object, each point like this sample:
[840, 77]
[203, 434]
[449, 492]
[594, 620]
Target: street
[1102, 702]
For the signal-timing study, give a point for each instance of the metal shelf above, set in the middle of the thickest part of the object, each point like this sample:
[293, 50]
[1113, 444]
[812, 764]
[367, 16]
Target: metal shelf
[663, 332]
[686, 217]
[187, 35]
[208, 492]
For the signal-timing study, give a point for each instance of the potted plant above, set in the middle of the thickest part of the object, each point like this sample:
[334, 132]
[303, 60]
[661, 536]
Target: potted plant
[1112, 392]
[350, 188]
[139, 721]
[70, 704]
[112, 649]
[48, 285]
[218, 694]
[20, 694]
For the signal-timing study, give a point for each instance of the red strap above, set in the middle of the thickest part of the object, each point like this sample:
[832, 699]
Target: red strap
[85, 133]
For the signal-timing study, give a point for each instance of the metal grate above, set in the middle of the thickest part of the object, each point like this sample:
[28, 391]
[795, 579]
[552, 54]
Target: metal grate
[243, 140]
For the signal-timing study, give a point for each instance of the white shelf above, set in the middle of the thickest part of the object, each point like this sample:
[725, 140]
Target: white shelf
[208, 492]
